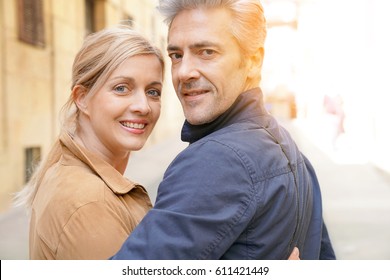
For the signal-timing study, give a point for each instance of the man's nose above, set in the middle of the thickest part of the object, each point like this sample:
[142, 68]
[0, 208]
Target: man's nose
[187, 69]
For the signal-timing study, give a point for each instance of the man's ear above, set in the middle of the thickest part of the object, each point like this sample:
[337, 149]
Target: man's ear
[256, 64]
[79, 95]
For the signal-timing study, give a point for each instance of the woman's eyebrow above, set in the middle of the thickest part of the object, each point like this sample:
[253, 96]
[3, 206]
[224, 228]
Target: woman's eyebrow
[121, 77]
[155, 83]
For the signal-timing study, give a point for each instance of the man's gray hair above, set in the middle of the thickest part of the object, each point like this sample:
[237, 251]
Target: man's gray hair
[248, 25]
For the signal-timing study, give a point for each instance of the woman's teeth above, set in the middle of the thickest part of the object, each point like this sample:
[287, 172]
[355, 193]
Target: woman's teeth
[133, 125]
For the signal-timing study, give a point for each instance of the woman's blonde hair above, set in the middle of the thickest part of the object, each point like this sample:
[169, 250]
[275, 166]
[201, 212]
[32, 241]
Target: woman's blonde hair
[101, 53]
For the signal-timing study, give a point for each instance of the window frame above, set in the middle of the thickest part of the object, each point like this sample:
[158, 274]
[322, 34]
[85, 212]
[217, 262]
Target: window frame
[31, 29]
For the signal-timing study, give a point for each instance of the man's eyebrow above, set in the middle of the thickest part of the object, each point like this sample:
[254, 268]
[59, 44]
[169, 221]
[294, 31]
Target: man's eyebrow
[204, 44]
[200, 45]
[172, 48]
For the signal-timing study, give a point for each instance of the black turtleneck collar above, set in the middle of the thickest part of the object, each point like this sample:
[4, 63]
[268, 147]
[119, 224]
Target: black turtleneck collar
[248, 104]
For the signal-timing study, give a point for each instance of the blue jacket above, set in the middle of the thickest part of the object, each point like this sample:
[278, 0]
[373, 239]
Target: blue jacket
[240, 190]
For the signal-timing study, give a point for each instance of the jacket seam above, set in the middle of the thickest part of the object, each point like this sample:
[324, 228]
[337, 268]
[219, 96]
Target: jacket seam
[244, 205]
[70, 218]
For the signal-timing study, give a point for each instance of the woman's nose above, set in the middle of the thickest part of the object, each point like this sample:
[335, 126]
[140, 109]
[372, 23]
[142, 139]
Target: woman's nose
[140, 104]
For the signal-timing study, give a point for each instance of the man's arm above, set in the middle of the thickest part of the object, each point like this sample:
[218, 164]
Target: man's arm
[198, 211]
[326, 252]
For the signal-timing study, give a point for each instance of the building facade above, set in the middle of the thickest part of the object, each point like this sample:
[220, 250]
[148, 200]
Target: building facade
[39, 39]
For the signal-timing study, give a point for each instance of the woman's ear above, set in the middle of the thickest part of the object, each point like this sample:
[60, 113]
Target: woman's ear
[79, 95]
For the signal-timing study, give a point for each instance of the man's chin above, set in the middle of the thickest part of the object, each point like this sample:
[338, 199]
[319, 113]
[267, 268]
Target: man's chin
[194, 119]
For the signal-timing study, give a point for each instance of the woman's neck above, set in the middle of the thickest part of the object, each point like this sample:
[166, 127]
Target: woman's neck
[118, 161]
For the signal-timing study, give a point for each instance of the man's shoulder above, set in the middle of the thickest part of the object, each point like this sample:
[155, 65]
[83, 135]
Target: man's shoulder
[240, 136]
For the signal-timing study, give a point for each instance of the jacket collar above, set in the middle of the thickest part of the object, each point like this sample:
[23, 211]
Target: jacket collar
[113, 179]
[247, 105]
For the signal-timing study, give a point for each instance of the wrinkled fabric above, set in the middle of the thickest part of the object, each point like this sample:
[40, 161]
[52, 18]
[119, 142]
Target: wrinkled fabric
[240, 190]
[84, 208]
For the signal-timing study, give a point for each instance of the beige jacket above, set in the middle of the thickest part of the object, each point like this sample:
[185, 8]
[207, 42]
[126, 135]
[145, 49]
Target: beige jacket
[84, 208]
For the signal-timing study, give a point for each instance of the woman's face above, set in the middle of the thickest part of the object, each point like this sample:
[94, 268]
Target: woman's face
[121, 115]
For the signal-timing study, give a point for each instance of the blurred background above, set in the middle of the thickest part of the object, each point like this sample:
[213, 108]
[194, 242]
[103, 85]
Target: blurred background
[325, 77]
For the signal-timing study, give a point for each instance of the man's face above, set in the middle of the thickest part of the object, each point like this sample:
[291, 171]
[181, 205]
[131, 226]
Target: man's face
[208, 70]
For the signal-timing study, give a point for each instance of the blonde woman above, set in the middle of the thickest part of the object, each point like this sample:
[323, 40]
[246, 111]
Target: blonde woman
[81, 205]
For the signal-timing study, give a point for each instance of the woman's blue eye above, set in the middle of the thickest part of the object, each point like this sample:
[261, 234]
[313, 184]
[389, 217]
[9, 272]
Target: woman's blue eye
[154, 93]
[120, 88]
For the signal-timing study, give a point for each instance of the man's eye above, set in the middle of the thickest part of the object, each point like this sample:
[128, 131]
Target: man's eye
[175, 56]
[207, 52]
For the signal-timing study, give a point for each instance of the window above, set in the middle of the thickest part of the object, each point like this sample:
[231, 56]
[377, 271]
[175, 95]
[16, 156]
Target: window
[128, 20]
[90, 16]
[94, 15]
[31, 25]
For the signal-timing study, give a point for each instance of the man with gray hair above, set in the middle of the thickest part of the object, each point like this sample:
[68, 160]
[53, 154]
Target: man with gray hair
[241, 189]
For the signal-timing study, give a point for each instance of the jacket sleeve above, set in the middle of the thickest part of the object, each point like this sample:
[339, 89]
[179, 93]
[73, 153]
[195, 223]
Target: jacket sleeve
[199, 209]
[325, 248]
[326, 252]
[94, 231]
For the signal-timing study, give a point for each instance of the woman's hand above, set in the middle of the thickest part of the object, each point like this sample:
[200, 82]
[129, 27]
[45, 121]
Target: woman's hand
[294, 255]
